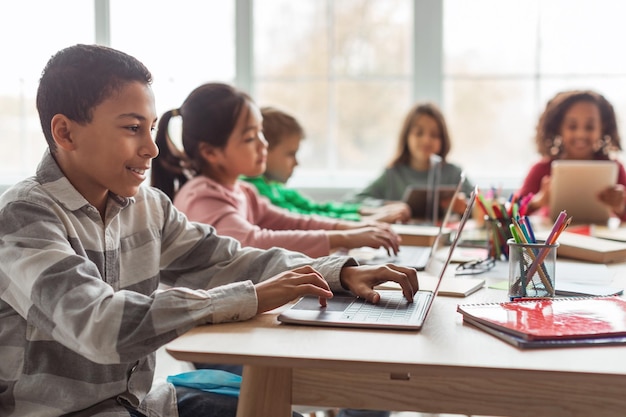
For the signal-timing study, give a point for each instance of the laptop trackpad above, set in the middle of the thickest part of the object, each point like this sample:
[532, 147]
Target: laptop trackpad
[337, 303]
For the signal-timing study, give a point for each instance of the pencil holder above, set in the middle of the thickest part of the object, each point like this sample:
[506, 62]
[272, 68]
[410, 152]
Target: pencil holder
[531, 269]
[498, 233]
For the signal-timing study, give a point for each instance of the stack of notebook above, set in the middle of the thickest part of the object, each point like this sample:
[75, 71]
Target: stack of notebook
[557, 322]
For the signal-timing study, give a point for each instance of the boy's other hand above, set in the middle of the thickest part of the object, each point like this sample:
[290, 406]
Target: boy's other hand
[361, 280]
[289, 285]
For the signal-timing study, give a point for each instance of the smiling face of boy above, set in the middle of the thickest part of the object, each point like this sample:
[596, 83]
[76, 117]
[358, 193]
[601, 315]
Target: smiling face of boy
[114, 150]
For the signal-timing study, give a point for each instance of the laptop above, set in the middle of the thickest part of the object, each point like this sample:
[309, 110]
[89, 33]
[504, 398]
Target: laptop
[392, 312]
[574, 187]
[409, 255]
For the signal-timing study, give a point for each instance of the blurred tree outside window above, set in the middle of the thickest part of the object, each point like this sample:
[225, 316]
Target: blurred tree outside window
[504, 60]
[345, 68]
[28, 38]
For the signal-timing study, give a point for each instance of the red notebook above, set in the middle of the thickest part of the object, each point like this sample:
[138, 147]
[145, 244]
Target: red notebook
[552, 319]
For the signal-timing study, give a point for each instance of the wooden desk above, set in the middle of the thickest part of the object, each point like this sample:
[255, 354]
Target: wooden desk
[448, 367]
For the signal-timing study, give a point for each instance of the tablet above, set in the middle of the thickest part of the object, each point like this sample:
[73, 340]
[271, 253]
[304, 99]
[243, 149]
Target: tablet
[422, 201]
[574, 187]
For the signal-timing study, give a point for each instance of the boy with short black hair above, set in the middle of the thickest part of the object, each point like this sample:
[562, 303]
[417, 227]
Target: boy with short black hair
[84, 248]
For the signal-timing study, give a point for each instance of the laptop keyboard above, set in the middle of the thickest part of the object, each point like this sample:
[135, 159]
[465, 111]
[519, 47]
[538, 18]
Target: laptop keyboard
[392, 308]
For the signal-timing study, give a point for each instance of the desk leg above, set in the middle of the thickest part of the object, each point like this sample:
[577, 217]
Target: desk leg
[265, 392]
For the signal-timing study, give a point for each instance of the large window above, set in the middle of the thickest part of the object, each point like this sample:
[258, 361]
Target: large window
[344, 69]
[349, 70]
[28, 37]
[184, 44]
[504, 60]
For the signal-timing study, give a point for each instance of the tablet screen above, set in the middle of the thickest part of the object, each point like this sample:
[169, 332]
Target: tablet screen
[574, 186]
[422, 200]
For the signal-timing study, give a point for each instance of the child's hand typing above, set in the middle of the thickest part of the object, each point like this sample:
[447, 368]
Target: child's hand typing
[289, 285]
[375, 236]
[362, 279]
[396, 212]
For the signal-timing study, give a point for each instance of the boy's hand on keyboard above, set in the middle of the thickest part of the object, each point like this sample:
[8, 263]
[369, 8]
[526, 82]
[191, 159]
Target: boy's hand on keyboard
[287, 286]
[361, 280]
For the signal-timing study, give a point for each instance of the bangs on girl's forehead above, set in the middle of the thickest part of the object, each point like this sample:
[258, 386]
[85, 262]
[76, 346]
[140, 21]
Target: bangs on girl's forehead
[242, 114]
[254, 110]
[426, 116]
[249, 114]
[597, 110]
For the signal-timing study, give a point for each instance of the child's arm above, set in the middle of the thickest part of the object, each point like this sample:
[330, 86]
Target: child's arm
[537, 181]
[392, 212]
[359, 280]
[313, 242]
[60, 280]
[541, 198]
[310, 235]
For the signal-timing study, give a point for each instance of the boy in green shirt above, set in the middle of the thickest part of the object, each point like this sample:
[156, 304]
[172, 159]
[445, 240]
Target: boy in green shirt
[283, 134]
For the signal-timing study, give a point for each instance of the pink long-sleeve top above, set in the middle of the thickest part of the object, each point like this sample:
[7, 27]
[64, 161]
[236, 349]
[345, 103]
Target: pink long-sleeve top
[242, 213]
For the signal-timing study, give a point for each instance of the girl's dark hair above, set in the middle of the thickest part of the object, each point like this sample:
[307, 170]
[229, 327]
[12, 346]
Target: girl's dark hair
[403, 155]
[78, 78]
[550, 122]
[209, 115]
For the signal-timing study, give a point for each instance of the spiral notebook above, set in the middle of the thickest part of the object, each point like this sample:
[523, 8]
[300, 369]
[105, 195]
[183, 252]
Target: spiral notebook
[560, 321]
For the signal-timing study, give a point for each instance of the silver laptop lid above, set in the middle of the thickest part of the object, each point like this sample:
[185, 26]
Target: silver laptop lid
[467, 214]
[439, 242]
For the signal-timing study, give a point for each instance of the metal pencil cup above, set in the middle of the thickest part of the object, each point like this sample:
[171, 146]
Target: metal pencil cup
[531, 269]
[498, 233]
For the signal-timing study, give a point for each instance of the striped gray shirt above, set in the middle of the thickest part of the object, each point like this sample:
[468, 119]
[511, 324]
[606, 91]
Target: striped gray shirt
[81, 313]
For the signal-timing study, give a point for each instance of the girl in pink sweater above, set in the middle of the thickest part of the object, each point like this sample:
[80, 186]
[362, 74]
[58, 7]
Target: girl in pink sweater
[223, 140]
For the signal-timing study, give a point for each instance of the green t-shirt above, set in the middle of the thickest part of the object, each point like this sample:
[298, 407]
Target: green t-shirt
[292, 200]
